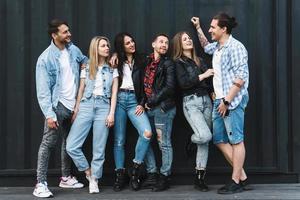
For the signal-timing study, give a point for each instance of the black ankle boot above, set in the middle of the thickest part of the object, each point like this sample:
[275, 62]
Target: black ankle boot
[199, 181]
[162, 183]
[120, 180]
[134, 174]
[150, 181]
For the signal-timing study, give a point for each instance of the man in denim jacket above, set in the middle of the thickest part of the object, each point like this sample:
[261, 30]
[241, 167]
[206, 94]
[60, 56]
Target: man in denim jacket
[57, 79]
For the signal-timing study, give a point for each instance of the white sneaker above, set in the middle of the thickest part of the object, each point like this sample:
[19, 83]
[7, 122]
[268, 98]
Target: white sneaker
[70, 182]
[93, 186]
[41, 190]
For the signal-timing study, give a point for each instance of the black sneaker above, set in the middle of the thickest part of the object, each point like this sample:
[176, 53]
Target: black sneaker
[150, 181]
[245, 185]
[231, 188]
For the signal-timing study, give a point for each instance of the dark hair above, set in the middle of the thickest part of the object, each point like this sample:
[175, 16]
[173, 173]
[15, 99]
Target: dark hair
[225, 21]
[120, 50]
[160, 34]
[54, 24]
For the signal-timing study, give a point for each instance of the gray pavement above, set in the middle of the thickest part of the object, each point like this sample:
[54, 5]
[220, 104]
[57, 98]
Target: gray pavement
[261, 191]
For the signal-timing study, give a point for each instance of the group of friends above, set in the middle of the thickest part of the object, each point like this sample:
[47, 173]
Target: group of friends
[103, 91]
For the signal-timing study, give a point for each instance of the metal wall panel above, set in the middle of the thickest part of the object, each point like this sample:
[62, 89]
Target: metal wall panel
[294, 79]
[267, 29]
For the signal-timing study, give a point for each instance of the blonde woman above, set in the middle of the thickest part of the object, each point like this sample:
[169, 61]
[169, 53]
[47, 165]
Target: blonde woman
[95, 106]
[197, 107]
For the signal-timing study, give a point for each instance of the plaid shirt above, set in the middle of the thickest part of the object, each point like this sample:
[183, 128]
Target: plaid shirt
[150, 75]
[234, 64]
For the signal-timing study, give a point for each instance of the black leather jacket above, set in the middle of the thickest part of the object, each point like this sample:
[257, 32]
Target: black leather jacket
[138, 81]
[164, 85]
[187, 73]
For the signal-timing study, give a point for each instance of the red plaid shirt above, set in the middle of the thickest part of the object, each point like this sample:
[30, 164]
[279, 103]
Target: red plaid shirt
[149, 75]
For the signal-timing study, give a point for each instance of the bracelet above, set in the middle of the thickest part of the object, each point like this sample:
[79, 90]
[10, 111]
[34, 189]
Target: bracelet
[237, 85]
[226, 103]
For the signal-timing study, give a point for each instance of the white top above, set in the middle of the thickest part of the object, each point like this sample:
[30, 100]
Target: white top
[98, 90]
[217, 79]
[67, 93]
[127, 77]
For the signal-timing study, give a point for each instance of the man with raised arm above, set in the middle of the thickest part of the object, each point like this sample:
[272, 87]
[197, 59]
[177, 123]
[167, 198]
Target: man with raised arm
[230, 81]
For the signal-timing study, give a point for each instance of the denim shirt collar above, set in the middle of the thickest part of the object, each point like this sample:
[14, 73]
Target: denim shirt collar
[56, 50]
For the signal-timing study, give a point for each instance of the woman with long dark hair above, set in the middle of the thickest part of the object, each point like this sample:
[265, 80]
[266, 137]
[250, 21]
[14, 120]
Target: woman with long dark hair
[197, 107]
[130, 104]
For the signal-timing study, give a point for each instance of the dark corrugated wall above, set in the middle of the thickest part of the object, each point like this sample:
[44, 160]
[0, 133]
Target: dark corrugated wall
[267, 28]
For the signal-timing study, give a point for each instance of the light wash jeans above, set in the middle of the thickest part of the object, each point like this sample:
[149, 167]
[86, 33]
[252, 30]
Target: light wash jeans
[162, 123]
[92, 112]
[126, 105]
[198, 112]
[229, 129]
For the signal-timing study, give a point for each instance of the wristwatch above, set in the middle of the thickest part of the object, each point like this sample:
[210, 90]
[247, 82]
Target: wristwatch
[226, 103]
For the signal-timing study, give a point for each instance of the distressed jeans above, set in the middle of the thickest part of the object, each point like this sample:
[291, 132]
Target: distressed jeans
[126, 106]
[198, 112]
[162, 123]
[230, 128]
[49, 140]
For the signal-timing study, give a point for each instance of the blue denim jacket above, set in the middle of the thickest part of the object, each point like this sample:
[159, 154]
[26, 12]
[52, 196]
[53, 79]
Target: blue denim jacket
[107, 77]
[48, 76]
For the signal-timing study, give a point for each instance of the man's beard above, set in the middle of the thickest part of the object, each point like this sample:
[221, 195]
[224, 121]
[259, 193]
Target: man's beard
[66, 40]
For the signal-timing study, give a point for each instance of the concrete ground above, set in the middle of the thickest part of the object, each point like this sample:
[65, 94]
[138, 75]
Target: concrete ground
[261, 192]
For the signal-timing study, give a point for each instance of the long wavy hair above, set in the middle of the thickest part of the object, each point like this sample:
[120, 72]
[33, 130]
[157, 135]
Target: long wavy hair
[94, 55]
[120, 50]
[178, 49]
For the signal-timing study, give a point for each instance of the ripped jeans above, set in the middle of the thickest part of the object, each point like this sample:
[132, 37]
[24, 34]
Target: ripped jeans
[126, 106]
[161, 123]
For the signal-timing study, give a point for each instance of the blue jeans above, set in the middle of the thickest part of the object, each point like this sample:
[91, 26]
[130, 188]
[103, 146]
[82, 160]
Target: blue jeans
[49, 142]
[230, 128]
[126, 106]
[197, 111]
[92, 112]
[162, 124]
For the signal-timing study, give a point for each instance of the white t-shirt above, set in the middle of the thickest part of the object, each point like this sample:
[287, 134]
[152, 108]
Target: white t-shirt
[127, 78]
[67, 93]
[217, 79]
[98, 90]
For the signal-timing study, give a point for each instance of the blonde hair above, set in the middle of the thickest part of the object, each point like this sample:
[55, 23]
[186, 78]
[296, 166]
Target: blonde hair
[178, 50]
[94, 55]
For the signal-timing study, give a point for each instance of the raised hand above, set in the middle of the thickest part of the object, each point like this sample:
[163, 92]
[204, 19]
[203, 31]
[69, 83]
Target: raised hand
[196, 22]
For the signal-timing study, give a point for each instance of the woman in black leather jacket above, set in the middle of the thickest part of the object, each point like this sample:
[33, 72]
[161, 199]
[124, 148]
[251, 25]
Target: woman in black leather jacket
[197, 107]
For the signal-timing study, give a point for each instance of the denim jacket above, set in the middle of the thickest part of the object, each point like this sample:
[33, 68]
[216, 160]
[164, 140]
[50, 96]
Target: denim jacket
[48, 76]
[107, 78]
